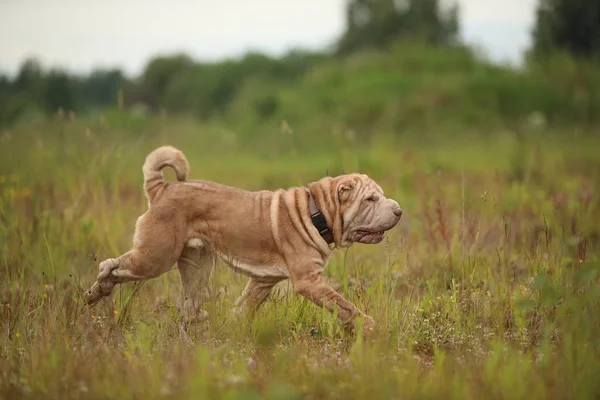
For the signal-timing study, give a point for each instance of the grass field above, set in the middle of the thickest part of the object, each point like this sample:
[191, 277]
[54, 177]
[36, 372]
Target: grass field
[488, 288]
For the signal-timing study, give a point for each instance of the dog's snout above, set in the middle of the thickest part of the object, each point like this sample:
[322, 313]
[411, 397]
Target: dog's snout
[397, 211]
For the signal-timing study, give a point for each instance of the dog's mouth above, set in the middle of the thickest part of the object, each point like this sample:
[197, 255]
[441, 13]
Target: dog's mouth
[368, 237]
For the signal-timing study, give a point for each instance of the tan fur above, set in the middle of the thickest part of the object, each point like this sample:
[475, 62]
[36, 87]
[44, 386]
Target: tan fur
[266, 235]
[160, 158]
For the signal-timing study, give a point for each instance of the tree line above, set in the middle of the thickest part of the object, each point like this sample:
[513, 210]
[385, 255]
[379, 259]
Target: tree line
[177, 83]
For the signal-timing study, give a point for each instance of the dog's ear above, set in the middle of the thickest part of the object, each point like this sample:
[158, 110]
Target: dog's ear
[344, 189]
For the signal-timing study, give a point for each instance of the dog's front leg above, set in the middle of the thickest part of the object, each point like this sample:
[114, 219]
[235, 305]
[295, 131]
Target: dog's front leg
[312, 286]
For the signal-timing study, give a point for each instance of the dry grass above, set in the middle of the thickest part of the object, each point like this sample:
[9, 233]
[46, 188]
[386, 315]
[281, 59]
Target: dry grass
[488, 288]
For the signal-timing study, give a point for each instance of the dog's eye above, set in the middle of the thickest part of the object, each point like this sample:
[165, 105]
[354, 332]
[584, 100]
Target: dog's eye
[372, 198]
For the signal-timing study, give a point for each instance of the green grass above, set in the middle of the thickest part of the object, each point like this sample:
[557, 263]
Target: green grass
[488, 288]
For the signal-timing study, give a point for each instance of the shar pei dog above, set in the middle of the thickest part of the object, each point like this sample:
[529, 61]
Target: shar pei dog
[267, 235]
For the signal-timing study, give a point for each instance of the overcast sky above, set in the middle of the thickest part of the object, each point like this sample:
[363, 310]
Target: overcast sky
[81, 35]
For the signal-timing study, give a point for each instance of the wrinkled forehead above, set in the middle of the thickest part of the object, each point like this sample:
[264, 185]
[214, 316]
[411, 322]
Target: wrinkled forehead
[369, 184]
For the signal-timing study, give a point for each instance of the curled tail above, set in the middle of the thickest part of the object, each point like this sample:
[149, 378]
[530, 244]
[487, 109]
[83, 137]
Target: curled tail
[166, 156]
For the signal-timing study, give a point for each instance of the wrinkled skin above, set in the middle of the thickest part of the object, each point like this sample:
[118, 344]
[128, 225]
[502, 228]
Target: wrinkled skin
[366, 212]
[266, 235]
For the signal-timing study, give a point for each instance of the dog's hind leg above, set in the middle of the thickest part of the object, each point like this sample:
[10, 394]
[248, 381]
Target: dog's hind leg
[195, 266]
[254, 295]
[155, 251]
[111, 272]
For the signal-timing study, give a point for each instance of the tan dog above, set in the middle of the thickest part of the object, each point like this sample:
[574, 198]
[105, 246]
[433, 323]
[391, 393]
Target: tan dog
[268, 236]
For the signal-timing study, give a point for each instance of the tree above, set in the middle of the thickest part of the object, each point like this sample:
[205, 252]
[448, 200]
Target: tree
[101, 87]
[5, 91]
[376, 23]
[29, 76]
[4, 83]
[160, 73]
[58, 91]
[570, 25]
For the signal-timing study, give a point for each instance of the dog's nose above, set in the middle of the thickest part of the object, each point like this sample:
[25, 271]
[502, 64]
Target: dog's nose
[398, 211]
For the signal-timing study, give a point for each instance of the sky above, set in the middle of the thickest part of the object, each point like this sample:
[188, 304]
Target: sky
[82, 35]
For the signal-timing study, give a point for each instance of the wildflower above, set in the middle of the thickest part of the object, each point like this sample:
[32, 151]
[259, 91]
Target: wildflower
[421, 310]
[116, 312]
[93, 317]
[18, 334]
[439, 297]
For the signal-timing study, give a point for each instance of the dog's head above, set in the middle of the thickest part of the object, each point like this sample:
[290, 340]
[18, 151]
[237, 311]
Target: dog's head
[359, 212]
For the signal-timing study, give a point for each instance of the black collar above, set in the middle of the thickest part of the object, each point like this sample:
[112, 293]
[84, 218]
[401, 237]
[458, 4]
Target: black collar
[318, 219]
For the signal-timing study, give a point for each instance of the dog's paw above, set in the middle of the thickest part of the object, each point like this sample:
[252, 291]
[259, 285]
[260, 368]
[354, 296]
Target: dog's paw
[106, 267]
[364, 324]
[195, 318]
[191, 313]
[369, 326]
[237, 312]
[93, 294]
